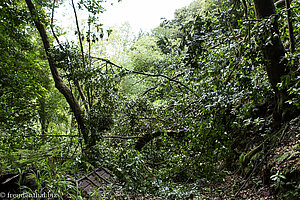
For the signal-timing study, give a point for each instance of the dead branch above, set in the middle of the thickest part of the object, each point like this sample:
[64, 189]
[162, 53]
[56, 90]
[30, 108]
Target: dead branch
[51, 136]
[152, 88]
[59, 135]
[79, 33]
[150, 136]
[121, 137]
[148, 74]
[105, 136]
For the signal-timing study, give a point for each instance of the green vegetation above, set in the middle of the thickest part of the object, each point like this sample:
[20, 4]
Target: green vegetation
[205, 106]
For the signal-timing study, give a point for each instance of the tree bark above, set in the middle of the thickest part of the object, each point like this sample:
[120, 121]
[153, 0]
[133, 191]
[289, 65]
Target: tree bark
[273, 51]
[72, 101]
[290, 26]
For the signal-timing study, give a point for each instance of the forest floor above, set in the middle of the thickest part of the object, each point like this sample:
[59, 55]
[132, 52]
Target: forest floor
[285, 156]
[236, 187]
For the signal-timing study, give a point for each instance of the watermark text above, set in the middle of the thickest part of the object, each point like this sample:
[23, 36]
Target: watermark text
[35, 195]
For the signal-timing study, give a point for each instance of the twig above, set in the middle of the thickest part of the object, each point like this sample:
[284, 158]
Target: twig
[230, 75]
[146, 168]
[152, 88]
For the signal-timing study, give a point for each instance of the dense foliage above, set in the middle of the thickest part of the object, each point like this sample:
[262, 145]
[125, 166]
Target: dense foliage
[201, 75]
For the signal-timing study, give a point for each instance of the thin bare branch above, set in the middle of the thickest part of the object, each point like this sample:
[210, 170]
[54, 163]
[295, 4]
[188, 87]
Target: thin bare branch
[83, 60]
[105, 136]
[79, 33]
[58, 135]
[152, 88]
[51, 26]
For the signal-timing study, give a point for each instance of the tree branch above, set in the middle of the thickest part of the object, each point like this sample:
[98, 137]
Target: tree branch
[122, 137]
[152, 88]
[83, 60]
[51, 26]
[290, 27]
[61, 47]
[59, 135]
[105, 136]
[79, 33]
[147, 74]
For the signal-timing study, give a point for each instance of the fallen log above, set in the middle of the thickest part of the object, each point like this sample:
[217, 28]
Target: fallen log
[150, 136]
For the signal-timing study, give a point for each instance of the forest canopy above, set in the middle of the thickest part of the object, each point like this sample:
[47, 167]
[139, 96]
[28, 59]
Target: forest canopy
[204, 105]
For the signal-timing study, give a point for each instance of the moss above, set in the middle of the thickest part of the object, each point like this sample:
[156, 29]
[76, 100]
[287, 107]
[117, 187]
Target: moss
[245, 158]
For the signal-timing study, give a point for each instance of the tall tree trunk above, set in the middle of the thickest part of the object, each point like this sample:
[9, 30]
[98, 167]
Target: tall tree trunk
[273, 51]
[72, 101]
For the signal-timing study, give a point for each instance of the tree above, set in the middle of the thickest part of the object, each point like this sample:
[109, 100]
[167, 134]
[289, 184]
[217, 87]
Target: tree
[59, 84]
[145, 55]
[92, 81]
[273, 50]
[21, 69]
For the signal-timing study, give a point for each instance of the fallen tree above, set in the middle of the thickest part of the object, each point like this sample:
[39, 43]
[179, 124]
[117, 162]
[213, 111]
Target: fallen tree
[150, 136]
